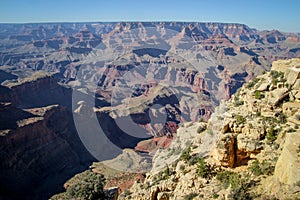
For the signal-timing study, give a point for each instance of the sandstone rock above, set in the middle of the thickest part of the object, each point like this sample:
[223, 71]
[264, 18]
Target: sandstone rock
[263, 87]
[277, 95]
[296, 86]
[290, 108]
[287, 168]
[247, 144]
[225, 150]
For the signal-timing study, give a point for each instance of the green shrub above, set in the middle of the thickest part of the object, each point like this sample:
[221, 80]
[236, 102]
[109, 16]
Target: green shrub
[250, 84]
[258, 95]
[182, 167]
[167, 172]
[190, 196]
[227, 178]
[271, 134]
[240, 119]
[239, 185]
[265, 168]
[258, 114]
[255, 168]
[202, 169]
[276, 74]
[210, 132]
[90, 188]
[215, 196]
[237, 102]
[185, 156]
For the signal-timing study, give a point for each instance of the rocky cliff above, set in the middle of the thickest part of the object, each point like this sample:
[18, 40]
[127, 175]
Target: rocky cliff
[40, 148]
[249, 149]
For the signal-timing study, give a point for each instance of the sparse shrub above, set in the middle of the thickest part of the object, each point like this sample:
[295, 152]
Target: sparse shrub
[127, 192]
[166, 173]
[258, 114]
[239, 185]
[240, 119]
[290, 130]
[276, 74]
[258, 95]
[255, 168]
[274, 81]
[210, 132]
[265, 168]
[227, 178]
[263, 72]
[250, 84]
[190, 196]
[297, 117]
[182, 167]
[91, 187]
[202, 169]
[215, 196]
[186, 154]
[271, 134]
[287, 85]
[237, 102]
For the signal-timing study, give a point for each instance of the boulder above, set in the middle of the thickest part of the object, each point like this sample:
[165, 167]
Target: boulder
[287, 168]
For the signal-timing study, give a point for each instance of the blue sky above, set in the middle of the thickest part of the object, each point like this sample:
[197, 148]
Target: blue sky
[283, 15]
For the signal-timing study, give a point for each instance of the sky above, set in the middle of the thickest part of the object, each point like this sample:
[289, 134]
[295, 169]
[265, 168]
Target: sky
[283, 15]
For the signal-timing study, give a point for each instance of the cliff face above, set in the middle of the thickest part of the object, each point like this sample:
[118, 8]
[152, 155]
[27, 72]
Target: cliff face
[40, 148]
[246, 150]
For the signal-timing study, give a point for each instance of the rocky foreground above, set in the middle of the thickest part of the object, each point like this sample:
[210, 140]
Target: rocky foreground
[249, 149]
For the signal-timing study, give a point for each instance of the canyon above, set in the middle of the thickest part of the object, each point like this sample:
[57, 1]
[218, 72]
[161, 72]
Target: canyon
[140, 81]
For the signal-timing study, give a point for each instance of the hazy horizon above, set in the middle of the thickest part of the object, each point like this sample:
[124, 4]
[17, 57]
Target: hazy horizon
[261, 15]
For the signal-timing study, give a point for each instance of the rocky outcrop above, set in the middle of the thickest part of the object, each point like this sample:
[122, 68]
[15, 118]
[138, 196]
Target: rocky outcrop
[40, 148]
[248, 139]
[35, 148]
[287, 166]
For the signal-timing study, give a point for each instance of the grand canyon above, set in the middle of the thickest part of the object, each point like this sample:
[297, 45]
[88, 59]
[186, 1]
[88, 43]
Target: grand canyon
[82, 96]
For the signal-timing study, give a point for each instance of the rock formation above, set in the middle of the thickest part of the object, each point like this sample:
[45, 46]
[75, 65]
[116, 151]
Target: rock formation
[249, 150]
